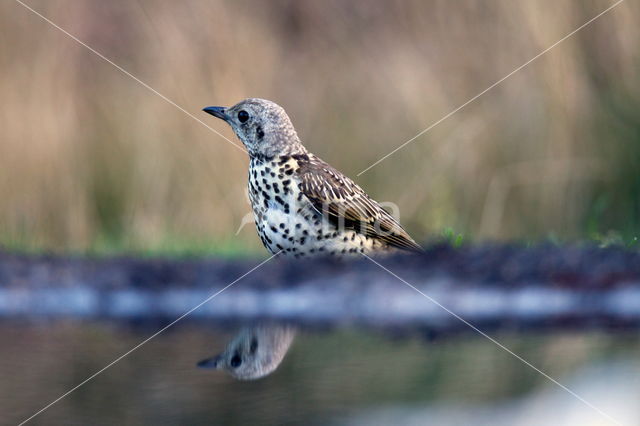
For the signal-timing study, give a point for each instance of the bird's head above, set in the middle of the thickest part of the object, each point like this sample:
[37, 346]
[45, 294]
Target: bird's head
[254, 353]
[263, 127]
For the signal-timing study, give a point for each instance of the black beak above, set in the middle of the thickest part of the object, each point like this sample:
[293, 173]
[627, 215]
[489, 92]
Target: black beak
[217, 112]
[210, 362]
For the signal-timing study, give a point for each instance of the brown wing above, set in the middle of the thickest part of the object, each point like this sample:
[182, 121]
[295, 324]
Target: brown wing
[343, 202]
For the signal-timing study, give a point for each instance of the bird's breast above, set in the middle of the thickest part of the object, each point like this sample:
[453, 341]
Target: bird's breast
[286, 220]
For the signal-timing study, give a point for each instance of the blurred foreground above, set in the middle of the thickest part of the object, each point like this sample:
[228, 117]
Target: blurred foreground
[346, 377]
[410, 364]
[492, 286]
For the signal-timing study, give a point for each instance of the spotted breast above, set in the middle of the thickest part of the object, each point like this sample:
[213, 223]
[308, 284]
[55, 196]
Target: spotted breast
[302, 206]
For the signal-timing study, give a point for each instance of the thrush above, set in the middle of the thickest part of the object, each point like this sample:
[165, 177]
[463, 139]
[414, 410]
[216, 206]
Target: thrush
[302, 205]
[254, 352]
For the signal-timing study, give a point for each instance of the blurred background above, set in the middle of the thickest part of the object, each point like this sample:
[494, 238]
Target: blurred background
[93, 161]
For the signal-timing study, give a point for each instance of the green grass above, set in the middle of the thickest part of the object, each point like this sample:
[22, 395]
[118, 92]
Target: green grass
[171, 247]
[231, 247]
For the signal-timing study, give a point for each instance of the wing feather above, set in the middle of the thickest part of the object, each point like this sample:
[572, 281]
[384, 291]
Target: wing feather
[342, 201]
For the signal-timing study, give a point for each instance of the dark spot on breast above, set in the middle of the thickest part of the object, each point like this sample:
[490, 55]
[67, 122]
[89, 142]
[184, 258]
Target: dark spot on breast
[254, 345]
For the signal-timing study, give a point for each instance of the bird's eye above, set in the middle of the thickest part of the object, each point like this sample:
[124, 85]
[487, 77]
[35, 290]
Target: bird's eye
[236, 360]
[243, 116]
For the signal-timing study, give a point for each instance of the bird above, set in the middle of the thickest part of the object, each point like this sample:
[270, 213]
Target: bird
[303, 206]
[254, 352]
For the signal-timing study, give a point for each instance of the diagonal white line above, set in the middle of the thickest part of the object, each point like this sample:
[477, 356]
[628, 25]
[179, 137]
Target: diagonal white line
[492, 86]
[85, 381]
[473, 327]
[129, 74]
[265, 261]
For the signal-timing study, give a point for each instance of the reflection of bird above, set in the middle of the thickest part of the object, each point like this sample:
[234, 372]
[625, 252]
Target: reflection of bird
[254, 352]
[301, 204]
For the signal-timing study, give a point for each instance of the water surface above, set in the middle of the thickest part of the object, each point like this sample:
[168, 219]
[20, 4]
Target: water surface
[341, 376]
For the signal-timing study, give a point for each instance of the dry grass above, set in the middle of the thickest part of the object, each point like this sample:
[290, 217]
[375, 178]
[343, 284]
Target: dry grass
[90, 158]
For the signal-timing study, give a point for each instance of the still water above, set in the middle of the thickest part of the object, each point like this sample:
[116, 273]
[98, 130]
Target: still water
[338, 376]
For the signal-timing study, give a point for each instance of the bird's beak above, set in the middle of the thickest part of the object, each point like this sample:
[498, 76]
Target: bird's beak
[210, 362]
[216, 111]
